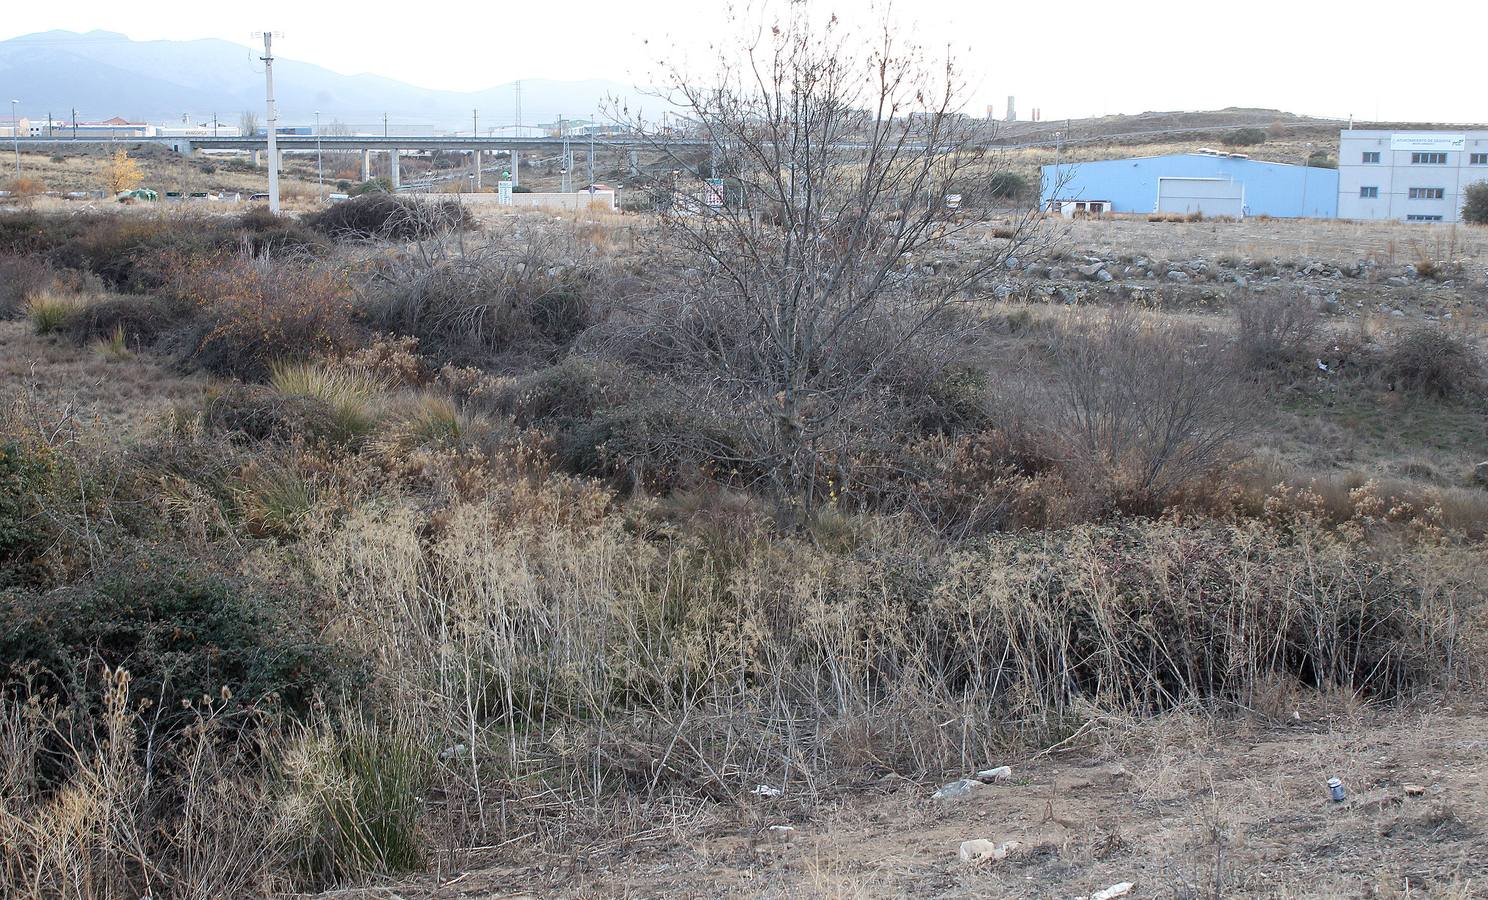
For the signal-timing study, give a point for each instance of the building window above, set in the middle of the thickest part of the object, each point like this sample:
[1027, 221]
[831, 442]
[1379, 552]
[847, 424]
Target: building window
[1478, 159]
[1371, 156]
[1428, 159]
[1369, 193]
[1427, 193]
[1423, 218]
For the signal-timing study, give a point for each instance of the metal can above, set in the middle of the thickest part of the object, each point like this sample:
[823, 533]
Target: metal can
[1335, 790]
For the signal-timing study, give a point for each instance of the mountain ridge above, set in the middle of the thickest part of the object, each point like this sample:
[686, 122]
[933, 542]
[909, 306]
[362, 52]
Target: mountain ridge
[103, 74]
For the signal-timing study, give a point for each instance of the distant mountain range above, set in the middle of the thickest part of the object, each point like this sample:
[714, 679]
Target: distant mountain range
[103, 74]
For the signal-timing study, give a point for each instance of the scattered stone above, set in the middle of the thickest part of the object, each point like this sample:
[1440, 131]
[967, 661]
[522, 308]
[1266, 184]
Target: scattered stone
[1103, 275]
[1415, 790]
[983, 850]
[1178, 275]
[956, 789]
[1056, 273]
[1480, 474]
[1001, 773]
[1011, 262]
[452, 752]
[1241, 282]
[1089, 271]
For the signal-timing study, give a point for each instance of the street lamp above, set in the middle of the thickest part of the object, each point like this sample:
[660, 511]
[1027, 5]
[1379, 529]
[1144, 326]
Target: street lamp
[319, 171]
[1306, 170]
[15, 135]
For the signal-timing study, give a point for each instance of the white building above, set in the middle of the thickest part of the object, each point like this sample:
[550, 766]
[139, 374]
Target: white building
[1409, 176]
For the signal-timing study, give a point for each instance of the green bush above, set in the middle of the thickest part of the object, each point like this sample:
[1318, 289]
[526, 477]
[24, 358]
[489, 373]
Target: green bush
[1244, 137]
[649, 443]
[24, 475]
[1007, 185]
[182, 634]
[379, 185]
[573, 390]
[1475, 203]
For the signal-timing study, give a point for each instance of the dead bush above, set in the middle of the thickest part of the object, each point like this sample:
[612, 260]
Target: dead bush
[1276, 332]
[256, 311]
[390, 217]
[1141, 410]
[20, 277]
[138, 320]
[470, 301]
[1432, 361]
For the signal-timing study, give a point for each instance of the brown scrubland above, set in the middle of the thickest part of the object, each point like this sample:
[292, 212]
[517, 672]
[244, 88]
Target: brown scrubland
[394, 550]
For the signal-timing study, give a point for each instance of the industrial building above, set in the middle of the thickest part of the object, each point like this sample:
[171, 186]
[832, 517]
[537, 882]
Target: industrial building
[1210, 182]
[1409, 176]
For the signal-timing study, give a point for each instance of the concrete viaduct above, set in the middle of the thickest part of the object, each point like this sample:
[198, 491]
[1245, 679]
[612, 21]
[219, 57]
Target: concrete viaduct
[393, 145]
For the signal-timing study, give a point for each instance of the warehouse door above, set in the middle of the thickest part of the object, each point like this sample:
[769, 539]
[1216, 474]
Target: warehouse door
[1210, 196]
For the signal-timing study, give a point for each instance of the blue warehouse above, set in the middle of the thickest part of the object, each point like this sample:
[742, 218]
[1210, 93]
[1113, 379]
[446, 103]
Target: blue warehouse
[1208, 182]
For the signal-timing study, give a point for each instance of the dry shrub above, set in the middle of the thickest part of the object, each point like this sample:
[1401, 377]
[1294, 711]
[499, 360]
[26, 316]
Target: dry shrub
[20, 278]
[1141, 410]
[1433, 361]
[136, 814]
[469, 301]
[390, 217]
[139, 320]
[257, 311]
[1276, 332]
[562, 643]
[260, 413]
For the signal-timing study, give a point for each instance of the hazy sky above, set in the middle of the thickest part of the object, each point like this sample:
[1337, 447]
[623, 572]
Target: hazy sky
[1075, 58]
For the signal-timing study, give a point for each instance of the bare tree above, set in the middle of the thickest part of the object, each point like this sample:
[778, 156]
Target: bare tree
[804, 218]
[248, 123]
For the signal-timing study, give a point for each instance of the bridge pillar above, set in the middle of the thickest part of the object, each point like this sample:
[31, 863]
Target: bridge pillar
[475, 162]
[516, 167]
[635, 163]
[366, 165]
[393, 172]
[257, 159]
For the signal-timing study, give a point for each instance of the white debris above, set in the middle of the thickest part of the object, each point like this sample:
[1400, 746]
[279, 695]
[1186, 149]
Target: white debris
[983, 850]
[765, 790]
[1001, 773]
[1114, 891]
[961, 788]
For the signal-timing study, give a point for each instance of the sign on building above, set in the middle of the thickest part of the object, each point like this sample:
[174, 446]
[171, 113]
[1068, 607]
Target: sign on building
[713, 193]
[1448, 143]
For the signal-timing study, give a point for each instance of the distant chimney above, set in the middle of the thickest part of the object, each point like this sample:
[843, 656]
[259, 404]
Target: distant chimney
[1012, 113]
[990, 113]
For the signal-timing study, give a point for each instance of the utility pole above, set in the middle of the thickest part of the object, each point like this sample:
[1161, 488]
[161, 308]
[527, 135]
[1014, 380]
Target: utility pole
[591, 155]
[273, 143]
[319, 168]
[74, 123]
[214, 124]
[15, 134]
[384, 124]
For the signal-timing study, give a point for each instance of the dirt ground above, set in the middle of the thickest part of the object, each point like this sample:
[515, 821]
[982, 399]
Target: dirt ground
[115, 396]
[1182, 807]
[1334, 241]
